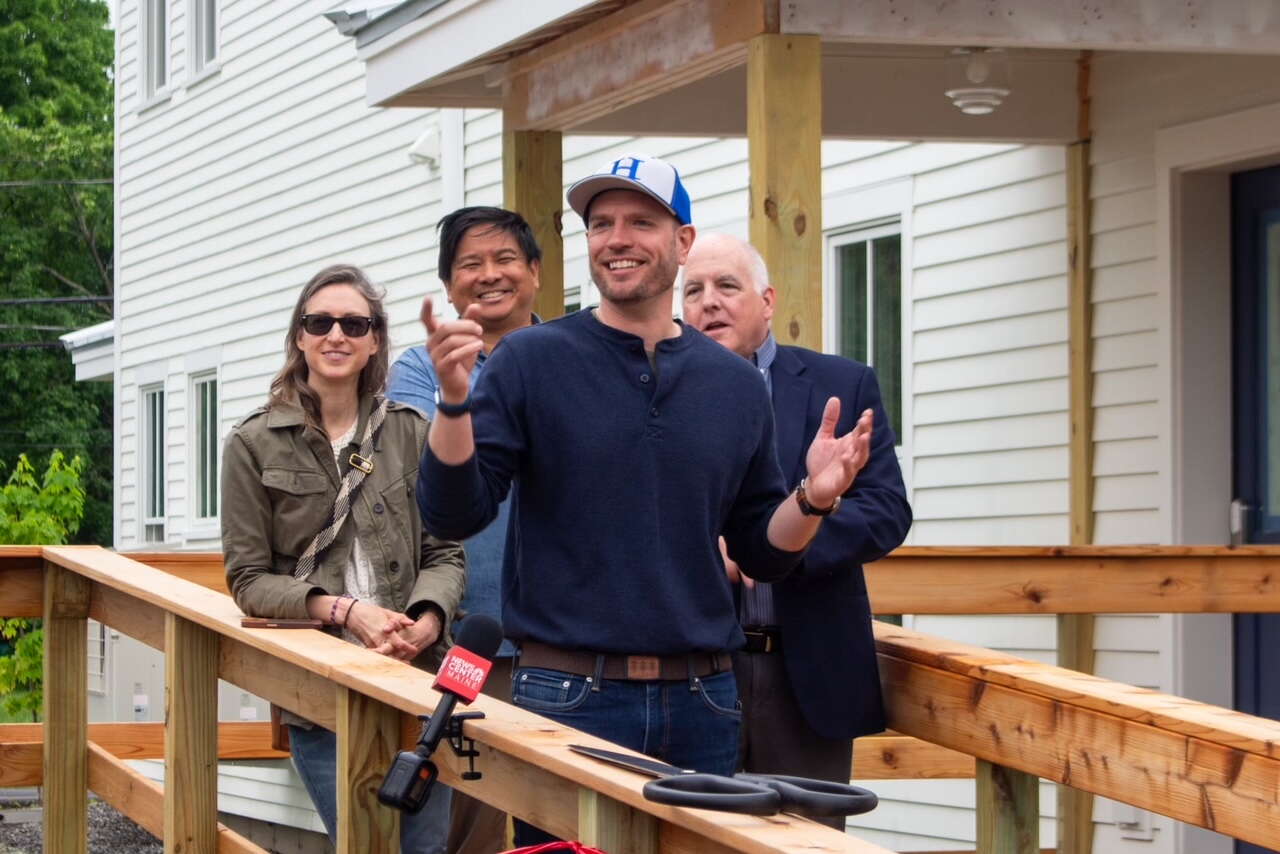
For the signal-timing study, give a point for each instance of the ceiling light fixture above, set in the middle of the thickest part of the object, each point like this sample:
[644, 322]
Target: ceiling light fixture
[981, 79]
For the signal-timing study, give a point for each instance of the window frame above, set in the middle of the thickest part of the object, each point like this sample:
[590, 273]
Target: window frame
[199, 65]
[152, 458]
[869, 232]
[845, 214]
[210, 452]
[151, 89]
[99, 677]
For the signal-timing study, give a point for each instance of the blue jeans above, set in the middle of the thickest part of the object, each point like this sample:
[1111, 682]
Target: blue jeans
[315, 755]
[690, 723]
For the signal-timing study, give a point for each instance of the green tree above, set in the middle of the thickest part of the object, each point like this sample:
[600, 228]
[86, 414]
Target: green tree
[56, 216]
[45, 511]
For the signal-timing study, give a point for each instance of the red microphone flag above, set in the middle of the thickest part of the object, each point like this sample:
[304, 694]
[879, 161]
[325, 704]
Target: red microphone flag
[463, 673]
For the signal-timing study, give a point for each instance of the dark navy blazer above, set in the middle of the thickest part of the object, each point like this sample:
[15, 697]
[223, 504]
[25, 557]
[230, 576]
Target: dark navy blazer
[822, 607]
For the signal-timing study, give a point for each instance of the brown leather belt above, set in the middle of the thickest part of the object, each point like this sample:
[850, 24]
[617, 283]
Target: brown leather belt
[612, 666]
[763, 639]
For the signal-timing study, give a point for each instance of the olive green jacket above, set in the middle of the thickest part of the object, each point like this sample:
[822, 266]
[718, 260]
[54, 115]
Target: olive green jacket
[279, 484]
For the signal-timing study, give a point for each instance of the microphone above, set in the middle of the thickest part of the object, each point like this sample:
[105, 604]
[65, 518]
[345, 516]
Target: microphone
[461, 676]
[462, 673]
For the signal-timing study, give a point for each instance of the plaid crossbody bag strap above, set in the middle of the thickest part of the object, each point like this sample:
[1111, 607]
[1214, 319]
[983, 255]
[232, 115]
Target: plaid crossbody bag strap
[361, 466]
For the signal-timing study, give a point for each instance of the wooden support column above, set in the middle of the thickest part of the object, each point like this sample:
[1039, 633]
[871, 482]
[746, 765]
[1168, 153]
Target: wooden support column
[66, 680]
[1008, 810]
[612, 826]
[1075, 631]
[533, 186]
[368, 738]
[784, 137]
[190, 737]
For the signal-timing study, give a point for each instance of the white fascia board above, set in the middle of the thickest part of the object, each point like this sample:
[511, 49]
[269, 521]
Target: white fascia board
[450, 36]
[104, 331]
[92, 351]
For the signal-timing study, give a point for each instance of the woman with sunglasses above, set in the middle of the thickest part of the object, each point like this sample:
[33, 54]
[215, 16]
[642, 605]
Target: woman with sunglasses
[374, 578]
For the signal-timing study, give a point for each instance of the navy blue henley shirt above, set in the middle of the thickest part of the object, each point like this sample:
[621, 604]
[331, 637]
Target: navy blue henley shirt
[623, 478]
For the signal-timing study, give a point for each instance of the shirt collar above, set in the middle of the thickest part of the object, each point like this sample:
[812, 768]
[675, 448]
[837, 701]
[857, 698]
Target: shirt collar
[768, 351]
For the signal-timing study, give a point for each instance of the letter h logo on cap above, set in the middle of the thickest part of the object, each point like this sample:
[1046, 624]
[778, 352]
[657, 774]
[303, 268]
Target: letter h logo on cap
[631, 167]
[644, 174]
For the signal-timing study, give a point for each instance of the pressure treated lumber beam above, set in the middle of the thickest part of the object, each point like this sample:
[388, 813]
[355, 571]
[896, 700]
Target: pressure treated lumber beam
[66, 679]
[1200, 764]
[610, 826]
[784, 139]
[985, 579]
[21, 589]
[641, 51]
[190, 737]
[142, 799]
[1076, 631]
[145, 739]
[528, 768]
[1008, 810]
[900, 757]
[1070, 580]
[533, 186]
[368, 736]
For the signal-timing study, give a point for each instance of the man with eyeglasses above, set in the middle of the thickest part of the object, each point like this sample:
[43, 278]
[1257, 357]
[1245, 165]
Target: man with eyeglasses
[489, 259]
[632, 442]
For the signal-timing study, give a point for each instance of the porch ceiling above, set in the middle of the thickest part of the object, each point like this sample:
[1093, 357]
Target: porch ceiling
[676, 67]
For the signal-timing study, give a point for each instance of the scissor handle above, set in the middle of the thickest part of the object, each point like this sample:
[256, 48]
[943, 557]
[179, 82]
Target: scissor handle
[714, 792]
[806, 796]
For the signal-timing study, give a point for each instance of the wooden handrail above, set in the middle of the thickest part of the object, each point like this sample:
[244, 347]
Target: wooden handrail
[1004, 579]
[528, 769]
[1200, 764]
[1076, 580]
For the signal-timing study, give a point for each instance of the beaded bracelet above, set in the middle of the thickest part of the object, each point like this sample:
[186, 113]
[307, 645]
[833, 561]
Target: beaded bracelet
[333, 610]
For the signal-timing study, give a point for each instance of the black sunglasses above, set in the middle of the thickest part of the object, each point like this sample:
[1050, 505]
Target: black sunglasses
[353, 326]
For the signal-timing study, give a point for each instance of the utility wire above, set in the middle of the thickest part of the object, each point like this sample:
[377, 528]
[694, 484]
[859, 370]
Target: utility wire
[7, 185]
[53, 300]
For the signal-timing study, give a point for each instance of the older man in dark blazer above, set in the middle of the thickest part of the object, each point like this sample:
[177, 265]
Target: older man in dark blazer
[808, 678]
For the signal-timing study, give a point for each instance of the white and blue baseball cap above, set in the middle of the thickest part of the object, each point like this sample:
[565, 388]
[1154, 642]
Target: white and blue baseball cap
[650, 175]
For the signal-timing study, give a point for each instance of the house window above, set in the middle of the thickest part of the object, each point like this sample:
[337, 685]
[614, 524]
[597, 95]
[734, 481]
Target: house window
[152, 469]
[97, 657]
[868, 277]
[154, 48]
[203, 15]
[204, 397]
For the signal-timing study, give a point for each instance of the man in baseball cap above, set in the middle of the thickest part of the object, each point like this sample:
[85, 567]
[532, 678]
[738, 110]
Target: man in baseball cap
[634, 442]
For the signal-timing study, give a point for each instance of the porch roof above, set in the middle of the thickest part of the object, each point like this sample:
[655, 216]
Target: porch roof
[676, 67]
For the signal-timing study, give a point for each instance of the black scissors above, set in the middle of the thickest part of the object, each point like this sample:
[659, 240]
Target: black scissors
[752, 794]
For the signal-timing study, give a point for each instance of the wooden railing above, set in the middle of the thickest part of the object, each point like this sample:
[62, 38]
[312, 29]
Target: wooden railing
[370, 701]
[957, 710]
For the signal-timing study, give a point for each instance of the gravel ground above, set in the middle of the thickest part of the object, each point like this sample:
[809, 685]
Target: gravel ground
[109, 833]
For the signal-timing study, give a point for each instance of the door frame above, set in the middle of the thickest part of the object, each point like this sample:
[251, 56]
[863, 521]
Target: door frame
[1193, 165]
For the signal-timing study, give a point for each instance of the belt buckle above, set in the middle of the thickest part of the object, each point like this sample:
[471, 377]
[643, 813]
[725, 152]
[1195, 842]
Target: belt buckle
[643, 667]
[363, 463]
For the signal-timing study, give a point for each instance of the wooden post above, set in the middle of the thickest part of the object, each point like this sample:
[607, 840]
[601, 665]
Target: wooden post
[612, 826]
[1075, 631]
[190, 737]
[368, 738]
[66, 680]
[1008, 810]
[784, 138]
[532, 185]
